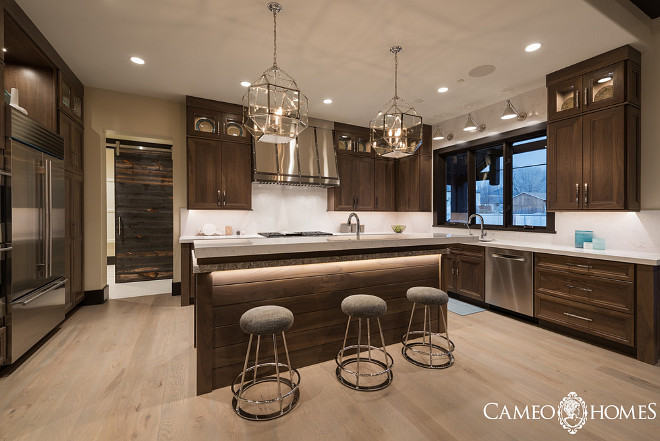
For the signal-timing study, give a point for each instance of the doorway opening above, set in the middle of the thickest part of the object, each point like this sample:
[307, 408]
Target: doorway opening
[139, 217]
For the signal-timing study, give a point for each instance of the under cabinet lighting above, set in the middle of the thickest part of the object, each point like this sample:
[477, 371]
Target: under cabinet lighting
[137, 60]
[4, 49]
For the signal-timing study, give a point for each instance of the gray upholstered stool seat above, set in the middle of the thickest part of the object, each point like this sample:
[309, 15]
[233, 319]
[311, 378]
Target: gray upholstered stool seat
[363, 306]
[264, 320]
[427, 295]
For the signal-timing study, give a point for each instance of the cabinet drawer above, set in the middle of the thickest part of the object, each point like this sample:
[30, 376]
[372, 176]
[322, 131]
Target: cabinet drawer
[612, 294]
[3, 345]
[467, 250]
[594, 267]
[605, 323]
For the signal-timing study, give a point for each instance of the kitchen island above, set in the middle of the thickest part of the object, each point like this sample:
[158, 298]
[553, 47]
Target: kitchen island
[310, 276]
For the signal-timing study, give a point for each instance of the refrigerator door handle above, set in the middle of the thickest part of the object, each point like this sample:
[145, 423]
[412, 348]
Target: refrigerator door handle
[34, 297]
[49, 182]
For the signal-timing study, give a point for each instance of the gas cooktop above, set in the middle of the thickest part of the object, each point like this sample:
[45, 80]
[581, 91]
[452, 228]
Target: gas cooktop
[295, 234]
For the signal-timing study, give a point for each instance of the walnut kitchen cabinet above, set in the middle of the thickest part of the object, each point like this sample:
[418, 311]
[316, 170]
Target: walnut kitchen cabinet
[384, 184]
[414, 183]
[356, 183]
[463, 271]
[594, 134]
[219, 175]
[74, 250]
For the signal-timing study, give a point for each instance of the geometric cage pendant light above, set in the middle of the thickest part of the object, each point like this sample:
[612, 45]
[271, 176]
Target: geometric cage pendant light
[396, 131]
[274, 109]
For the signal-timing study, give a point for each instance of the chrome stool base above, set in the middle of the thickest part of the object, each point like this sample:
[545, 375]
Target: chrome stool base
[294, 391]
[358, 358]
[284, 375]
[433, 351]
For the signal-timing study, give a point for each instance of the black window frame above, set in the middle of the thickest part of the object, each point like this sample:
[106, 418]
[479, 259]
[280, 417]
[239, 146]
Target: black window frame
[505, 139]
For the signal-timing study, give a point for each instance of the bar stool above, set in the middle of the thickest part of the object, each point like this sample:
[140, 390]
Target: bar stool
[264, 321]
[364, 306]
[428, 297]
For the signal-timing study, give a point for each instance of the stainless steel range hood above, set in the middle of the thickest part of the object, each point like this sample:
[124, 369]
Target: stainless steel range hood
[308, 160]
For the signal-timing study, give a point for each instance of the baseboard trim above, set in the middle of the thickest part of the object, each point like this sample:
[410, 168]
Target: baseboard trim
[96, 296]
[176, 288]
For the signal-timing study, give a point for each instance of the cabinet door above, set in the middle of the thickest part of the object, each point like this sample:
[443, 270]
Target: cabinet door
[236, 175]
[68, 240]
[344, 196]
[407, 191]
[470, 277]
[425, 182]
[78, 291]
[203, 123]
[65, 129]
[204, 186]
[363, 169]
[604, 87]
[384, 184]
[77, 136]
[448, 270]
[564, 99]
[233, 130]
[565, 165]
[604, 159]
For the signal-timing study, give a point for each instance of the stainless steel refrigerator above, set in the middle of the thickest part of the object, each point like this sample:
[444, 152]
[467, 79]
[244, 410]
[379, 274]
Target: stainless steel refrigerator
[36, 269]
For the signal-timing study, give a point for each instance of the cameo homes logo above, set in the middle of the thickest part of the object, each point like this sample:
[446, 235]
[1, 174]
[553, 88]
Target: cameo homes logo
[572, 412]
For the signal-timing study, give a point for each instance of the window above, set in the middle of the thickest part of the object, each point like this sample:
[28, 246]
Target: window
[457, 188]
[528, 182]
[503, 180]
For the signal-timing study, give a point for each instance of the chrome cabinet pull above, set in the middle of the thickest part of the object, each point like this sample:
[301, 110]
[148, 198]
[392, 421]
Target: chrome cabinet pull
[577, 195]
[219, 197]
[577, 99]
[578, 265]
[586, 194]
[119, 227]
[578, 317]
[578, 287]
[224, 198]
[586, 96]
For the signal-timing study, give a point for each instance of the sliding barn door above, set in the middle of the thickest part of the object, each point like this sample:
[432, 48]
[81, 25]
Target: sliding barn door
[143, 214]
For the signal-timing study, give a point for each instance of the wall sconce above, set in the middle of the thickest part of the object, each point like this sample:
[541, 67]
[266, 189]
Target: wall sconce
[472, 126]
[439, 134]
[511, 112]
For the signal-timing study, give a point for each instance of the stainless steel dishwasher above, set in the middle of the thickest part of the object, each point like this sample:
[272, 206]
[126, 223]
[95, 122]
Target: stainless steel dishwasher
[509, 280]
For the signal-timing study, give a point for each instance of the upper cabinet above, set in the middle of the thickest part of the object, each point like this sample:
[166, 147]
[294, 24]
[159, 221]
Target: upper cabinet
[372, 183]
[219, 156]
[609, 79]
[594, 134]
[70, 98]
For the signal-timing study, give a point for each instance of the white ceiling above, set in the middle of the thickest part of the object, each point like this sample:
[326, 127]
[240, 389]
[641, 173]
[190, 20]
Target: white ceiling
[335, 49]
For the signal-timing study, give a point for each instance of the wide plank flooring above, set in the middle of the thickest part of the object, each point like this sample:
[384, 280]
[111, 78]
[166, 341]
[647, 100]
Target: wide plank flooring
[126, 371]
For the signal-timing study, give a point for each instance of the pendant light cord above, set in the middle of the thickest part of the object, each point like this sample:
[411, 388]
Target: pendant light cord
[275, 38]
[396, 76]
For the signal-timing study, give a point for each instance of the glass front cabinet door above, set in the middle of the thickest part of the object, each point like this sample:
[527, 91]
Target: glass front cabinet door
[564, 99]
[604, 87]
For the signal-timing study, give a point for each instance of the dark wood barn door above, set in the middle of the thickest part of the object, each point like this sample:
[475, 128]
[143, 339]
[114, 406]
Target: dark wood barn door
[143, 214]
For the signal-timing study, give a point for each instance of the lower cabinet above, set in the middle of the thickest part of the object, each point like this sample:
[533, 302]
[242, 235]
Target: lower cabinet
[74, 240]
[463, 271]
[593, 296]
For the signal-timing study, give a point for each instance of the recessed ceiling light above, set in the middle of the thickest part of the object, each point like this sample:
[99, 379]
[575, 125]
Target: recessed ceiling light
[533, 47]
[246, 83]
[443, 89]
[137, 60]
[327, 101]
[605, 79]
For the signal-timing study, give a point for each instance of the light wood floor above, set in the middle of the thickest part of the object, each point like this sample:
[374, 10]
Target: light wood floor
[125, 371]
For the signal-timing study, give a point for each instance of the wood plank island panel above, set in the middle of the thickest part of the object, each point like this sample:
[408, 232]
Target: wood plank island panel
[314, 294]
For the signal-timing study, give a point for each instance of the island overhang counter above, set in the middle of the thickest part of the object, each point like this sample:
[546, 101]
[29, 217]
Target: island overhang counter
[309, 276]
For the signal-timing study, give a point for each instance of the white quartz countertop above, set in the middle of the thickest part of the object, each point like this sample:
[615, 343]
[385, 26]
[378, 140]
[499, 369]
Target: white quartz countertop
[204, 245]
[638, 257]
[257, 245]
